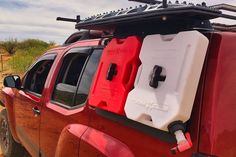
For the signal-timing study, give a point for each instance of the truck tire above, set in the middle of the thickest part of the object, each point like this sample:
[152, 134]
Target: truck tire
[9, 147]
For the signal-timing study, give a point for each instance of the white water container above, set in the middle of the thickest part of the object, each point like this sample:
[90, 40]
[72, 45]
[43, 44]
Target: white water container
[178, 60]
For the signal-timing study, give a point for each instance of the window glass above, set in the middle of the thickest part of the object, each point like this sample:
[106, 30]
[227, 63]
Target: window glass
[87, 77]
[68, 77]
[37, 75]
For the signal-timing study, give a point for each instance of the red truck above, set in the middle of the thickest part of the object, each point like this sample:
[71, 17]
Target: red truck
[89, 97]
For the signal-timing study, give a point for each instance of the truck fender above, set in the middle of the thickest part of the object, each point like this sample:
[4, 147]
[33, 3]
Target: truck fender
[97, 143]
[69, 140]
[7, 96]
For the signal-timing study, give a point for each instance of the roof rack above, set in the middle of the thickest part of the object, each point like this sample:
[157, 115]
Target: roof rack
[154, 12]
[157, 12]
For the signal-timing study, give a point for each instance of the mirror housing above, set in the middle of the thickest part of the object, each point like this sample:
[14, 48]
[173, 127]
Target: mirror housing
[12, 81]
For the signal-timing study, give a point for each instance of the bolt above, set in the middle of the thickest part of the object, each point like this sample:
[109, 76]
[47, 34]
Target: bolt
[164, 18]
[204, 4]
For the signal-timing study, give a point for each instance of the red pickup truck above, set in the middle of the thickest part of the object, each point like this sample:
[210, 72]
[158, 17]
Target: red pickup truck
[78, 99]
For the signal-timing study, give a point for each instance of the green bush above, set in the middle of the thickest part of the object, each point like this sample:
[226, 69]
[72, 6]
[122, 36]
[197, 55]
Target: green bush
[27, 52]
[9, 46]
[31, 43]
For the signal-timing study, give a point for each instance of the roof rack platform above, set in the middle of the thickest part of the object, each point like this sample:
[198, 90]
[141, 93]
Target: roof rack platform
[147, 13]
[157, 12]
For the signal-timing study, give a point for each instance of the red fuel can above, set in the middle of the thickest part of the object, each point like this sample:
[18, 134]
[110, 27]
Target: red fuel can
[116, 74]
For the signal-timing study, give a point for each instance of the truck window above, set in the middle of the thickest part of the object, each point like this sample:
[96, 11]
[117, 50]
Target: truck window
[68, 77]
[75, 77]
[37, 75]
[86, 80]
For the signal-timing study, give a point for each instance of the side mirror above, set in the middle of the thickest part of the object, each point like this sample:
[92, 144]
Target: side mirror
[12, 81]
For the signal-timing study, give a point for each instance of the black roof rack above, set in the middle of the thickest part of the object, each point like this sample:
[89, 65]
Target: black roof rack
[144, 13]
[155, 12]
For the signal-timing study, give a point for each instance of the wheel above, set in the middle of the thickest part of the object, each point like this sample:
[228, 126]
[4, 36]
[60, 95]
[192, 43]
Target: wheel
[9, 147]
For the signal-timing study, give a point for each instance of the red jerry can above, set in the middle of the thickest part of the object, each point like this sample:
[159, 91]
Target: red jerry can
[116, 74]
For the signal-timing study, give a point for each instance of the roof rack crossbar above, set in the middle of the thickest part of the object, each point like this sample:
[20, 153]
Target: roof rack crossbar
[152, 2]
[147, 1]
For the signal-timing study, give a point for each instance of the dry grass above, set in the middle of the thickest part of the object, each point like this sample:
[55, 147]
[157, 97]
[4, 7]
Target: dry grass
[6, 69]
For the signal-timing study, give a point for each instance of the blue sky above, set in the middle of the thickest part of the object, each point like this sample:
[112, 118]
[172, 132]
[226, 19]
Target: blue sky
[24, 19]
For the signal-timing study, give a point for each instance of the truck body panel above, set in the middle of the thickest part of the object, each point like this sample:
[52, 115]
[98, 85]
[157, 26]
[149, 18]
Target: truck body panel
[87, 131]
[218, 125]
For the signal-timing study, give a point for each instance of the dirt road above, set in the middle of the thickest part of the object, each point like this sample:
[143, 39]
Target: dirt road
[1, 153]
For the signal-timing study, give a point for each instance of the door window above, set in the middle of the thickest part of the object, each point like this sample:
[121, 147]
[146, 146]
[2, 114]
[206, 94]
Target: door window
[37, 75]
[75, 77]
[87, 77]
[68, 77]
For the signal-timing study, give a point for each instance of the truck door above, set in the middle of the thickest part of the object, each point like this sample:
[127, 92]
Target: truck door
[27, 105]
[67, 97]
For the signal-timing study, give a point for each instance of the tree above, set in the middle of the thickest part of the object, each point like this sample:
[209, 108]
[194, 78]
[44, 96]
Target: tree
[9, 46]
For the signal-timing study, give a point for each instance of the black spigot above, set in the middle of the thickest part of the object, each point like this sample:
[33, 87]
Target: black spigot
[156, 76]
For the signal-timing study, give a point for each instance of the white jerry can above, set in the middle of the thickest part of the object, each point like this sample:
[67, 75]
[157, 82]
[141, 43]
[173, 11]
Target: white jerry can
[168, 78]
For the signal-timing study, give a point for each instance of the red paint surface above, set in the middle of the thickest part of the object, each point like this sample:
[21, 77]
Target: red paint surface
[218, 124]
[27, 125]
[7, 99]
[111, 95]
[93, 140]
[70, 140]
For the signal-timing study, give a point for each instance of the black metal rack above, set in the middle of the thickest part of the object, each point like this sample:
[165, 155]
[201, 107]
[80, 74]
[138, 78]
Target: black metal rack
[157, 12]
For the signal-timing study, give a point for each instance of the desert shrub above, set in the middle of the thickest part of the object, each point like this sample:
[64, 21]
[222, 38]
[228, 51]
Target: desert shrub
[10, 46]
[28, 51]
[32, 43]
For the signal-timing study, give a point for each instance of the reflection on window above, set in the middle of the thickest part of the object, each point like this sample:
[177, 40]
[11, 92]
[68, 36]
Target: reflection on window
[87, 77]
[69, 74]
[75, 78]
[36, 77]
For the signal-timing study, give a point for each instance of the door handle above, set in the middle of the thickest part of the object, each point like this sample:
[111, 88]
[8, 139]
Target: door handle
[36, 111]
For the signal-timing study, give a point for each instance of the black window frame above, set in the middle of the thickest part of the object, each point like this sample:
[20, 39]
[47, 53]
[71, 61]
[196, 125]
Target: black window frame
[45, 57]
[89, 52]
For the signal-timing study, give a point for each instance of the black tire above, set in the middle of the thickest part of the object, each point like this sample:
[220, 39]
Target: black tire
[9, 147]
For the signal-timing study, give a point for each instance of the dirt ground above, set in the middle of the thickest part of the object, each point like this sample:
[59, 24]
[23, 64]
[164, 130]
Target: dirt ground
[1, 153]
[4, 72]
[4, 68]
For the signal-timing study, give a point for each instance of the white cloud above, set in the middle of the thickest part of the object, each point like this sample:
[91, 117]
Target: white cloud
[37, 19]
